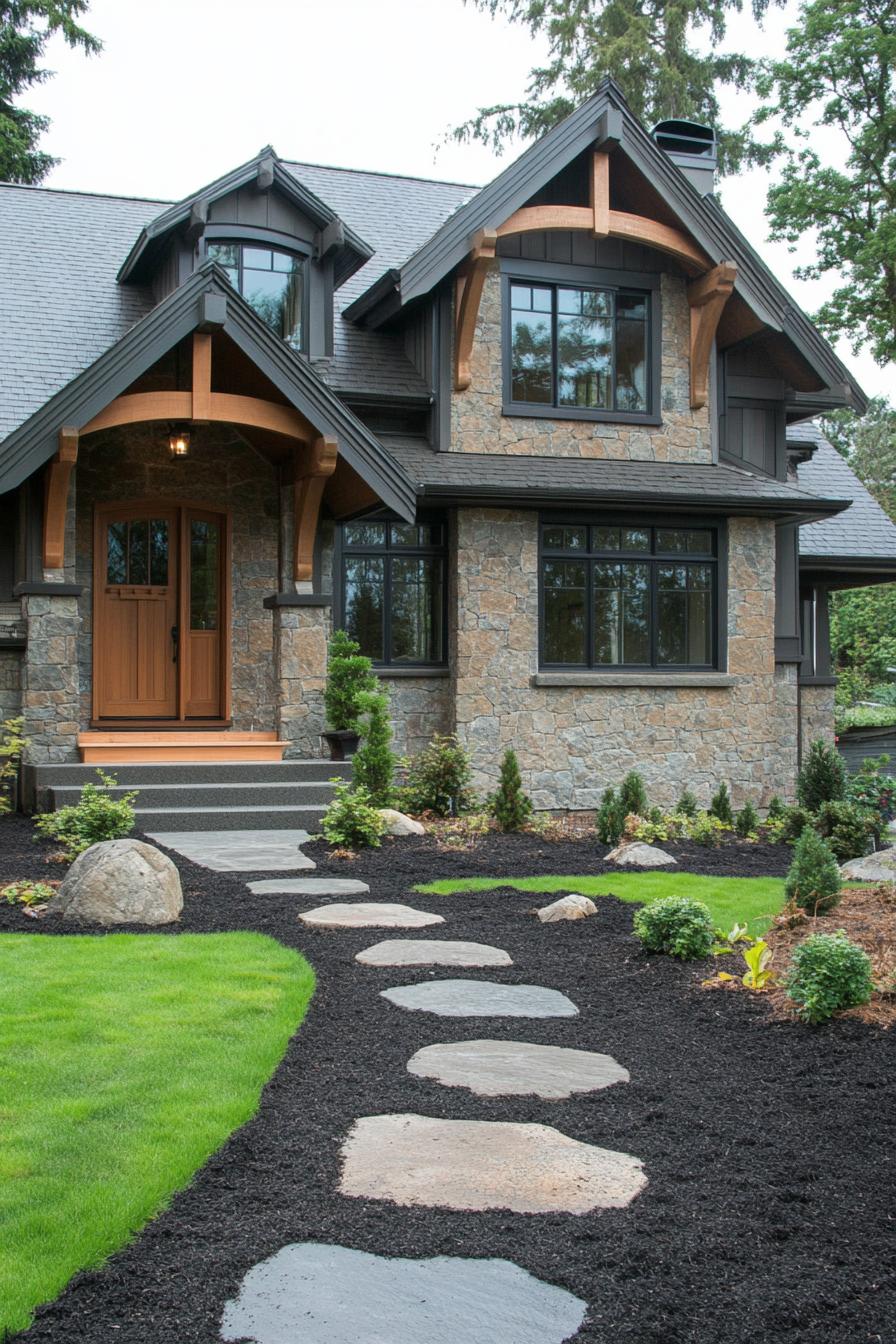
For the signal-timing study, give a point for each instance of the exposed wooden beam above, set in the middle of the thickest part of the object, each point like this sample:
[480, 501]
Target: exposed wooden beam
[547, 218]
[202, 377]
[57, 477]
[707, 298]
[630, 228]
[221, 407]
[314, 468]
[600, 194]
[470, 283]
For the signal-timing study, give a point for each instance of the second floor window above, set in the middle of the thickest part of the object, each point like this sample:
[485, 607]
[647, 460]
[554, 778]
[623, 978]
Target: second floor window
[578, 347]
[272, 282]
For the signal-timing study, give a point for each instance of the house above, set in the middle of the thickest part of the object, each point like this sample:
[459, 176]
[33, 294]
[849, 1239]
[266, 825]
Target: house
[534, 445]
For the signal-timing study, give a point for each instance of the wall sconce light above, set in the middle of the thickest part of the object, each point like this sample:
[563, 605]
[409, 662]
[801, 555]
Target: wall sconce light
[179, 442]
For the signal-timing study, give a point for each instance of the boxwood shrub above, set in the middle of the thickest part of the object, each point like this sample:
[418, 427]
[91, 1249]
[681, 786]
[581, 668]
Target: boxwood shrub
[677, 925]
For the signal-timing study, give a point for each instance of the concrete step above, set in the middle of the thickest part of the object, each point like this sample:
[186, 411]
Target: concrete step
[293, 771]
[249, 793]
[307, 818]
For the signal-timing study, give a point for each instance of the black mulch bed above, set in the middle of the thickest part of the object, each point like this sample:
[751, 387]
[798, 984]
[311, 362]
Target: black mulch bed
[768, 1146]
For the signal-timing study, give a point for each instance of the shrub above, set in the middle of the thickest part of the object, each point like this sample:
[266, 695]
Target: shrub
[12, 748]
[794, 822]
[96, 816]
[822, 778]
[373, 766]
[747, 821]
[650, 829]
[813, 880]
[438, 778]
[847, 829]
[610, 819]
[351, 821]
[687, 804]
[828, 972]
[720, 806]
[870, 788]
[776, 808]
[510, 807]
[705, 829]
[678, 925]
[27, 893]
[633, 796]
[350, 681]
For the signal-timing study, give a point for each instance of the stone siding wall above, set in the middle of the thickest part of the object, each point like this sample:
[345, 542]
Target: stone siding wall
[574, 741]
[11, 662]
[50, 702]
[817, 716]
[477, 425]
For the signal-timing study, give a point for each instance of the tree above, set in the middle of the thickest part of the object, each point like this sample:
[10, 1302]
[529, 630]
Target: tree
[869, 445]
[509, 805]
[373, 766]
[648, 46]
[26, 27]
[837, 74]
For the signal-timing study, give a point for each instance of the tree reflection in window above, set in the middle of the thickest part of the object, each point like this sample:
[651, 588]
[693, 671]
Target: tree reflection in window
[205, 570]
[137, 552]
[393, 590]
[271, 281]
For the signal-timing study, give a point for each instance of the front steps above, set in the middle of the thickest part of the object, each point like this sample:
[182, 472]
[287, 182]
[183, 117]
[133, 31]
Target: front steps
[204, 795]
[111, 748]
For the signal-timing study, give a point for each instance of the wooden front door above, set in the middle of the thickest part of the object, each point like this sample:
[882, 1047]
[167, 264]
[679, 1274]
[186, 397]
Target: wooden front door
[160, 618]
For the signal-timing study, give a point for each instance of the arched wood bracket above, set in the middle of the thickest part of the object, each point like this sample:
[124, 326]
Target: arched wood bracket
[221, 406]
[314, 467]
[707, 298]
[56, 482]
[618, 224]
[470, 280]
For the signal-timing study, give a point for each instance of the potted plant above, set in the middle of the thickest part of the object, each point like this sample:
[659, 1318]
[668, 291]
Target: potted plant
[350, 682]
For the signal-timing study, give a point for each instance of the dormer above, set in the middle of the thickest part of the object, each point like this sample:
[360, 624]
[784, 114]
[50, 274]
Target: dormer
[282, 248]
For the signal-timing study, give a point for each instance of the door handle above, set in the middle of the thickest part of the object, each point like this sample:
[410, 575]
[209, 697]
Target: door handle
[175, 641]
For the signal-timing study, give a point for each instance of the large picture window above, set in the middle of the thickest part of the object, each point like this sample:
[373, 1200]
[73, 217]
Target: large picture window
[393, 590]
[273, 282]
[617, 596]
[578, 347]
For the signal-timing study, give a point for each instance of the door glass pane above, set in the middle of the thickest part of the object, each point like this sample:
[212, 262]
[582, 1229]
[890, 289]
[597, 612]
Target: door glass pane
[117, 553]
[158, 551]
[416, 610]
[138, 548]
[204, 574]
[364, 585]
[564, 611]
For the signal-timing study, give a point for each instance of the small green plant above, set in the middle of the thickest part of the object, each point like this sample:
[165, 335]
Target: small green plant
[847, 828]
[509, 805]
[27, 893]
[794, 822]
[776, 808]
[463, 832]
[633, 796]
[677, 925]
[373, 765]
[350, 681]
[438, 778]
[759, 958]
[95, 817]
[822, 778]
[747, 821]
[828, 972]
[706, 829]
[687, 804]
[351, 821]
[610, 819]
[726, 943]
[813, 880]
[720, 807]
[650, 829]
[12, 749]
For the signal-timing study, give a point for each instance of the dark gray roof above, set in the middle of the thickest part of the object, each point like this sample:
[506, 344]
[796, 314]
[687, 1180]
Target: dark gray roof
[864, 532]
[535, 480]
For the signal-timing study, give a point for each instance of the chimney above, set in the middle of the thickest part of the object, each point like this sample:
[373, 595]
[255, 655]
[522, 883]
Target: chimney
[692, 148]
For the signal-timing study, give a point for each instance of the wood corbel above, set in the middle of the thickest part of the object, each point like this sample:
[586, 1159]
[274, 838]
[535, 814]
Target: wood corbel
[201, 409]
[707, 298]
[470, 282]
[600, 194]
[314, 467]
[57, 477]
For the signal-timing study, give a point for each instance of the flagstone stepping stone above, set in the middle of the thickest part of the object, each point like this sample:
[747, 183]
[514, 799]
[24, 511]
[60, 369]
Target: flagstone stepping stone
[483, 1164]
[568, 907]
[432, 952]
[309, 886]
[368, 915]
[239, 851]
[638, 855]
[516, 1069]
[877, 867]
[481, 998]
[323, 1294]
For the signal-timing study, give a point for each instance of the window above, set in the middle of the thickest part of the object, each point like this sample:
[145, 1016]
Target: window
[578, 347]
[272, 282]
[616, 596]
[393, 590]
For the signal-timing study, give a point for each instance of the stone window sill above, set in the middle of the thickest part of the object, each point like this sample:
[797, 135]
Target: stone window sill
[705, 680]
[388, 672]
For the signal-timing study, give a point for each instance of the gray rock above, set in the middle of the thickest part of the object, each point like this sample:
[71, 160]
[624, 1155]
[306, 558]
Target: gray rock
[516, 1069]
[398, 824]
[368, 915]
[568, 907]
[481, 998]
[483, 1164]
[432, 952]
[309, 886]
[331, 1295]
[120, 882]
[638, 855]
[240, 851]
[879, 867]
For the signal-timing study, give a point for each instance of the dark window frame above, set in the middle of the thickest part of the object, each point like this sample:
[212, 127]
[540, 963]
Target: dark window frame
[591, 556]
[517, 271]
[388, 552]
[271, 242]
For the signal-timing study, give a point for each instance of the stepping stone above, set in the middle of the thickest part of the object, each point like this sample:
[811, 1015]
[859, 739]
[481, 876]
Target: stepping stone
[309, 886]
[431, 952]
[239, 851]
[482, 1164]
[331, 1295]
[877, 867]
[568, 907]
[368, 915]
[517, 1069]
[638, 855]
[481, 998]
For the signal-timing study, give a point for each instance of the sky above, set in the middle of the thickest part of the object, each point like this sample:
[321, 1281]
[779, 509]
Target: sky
[184, 90]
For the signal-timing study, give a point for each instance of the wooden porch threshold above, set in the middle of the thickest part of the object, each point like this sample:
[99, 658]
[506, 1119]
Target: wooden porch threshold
[123, 748]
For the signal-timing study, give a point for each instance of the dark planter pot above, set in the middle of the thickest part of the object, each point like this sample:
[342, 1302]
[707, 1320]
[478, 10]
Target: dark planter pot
[342, 743]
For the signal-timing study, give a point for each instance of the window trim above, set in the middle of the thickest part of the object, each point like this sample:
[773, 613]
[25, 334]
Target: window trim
[554, 273]
[719, 604]
[243, 237]
[384, 666]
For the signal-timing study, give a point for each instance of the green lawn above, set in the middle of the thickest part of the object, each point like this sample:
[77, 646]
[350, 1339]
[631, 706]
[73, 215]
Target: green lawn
[746, 900]
[125, 1061]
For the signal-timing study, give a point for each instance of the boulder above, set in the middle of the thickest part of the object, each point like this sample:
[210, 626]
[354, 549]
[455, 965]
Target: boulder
[398, 824]
[639, 855]
[120, 882]
[568, 907]
[878, 867]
